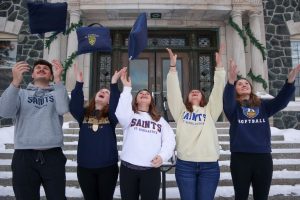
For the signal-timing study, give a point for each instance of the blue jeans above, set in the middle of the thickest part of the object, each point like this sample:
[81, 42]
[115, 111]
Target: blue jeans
[197, 180]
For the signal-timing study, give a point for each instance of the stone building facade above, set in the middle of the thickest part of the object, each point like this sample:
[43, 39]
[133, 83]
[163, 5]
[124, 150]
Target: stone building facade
[194, 29]
[281, 21]
[14, 28]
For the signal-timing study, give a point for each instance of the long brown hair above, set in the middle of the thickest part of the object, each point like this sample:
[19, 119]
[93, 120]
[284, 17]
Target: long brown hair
[189, 105]
[91, 108]
[253, 101]
[153, 112]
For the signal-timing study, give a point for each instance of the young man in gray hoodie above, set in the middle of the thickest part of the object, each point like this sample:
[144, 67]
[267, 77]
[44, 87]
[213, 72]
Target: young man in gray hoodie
[38, 112]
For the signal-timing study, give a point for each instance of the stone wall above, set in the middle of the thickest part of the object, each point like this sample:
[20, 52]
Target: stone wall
[30, 46]
[279, 58]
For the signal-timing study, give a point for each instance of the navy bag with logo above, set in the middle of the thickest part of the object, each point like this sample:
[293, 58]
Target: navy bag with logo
[47, 17]
[138, 37]
[92, 38]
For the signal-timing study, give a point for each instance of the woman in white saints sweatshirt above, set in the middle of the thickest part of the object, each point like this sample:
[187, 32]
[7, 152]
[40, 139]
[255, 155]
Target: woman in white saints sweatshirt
[197, 170]
[148, 141]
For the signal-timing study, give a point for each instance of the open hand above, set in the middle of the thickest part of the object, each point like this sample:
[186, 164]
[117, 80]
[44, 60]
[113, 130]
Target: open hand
[78, 74]
[117, 75]
[17, 71]
[57, 70]
[219, 63]
[293, 74]
[232, 74]
[126, 81]
[173, 57]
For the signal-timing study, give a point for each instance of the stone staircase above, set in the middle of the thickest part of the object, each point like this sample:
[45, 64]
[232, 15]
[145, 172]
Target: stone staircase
[286, 175]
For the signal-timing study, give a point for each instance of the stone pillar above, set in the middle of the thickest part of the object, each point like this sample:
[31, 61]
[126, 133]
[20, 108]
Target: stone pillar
[238, 45]
[257, 62]
[72, 47]
[54, 51]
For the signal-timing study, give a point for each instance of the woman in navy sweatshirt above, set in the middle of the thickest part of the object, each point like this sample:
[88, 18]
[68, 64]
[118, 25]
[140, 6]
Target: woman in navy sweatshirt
[250, 135]
[97, 154]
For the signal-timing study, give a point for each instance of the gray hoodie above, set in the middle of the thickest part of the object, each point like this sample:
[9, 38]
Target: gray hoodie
[38, 115]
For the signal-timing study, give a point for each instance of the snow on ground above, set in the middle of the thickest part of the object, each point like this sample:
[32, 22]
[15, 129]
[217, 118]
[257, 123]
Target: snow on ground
[6, 136]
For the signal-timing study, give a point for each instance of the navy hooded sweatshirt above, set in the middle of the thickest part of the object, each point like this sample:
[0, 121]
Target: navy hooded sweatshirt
[96, 149]
[249, 126]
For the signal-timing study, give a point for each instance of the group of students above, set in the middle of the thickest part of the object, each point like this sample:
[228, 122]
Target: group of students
[148, 140]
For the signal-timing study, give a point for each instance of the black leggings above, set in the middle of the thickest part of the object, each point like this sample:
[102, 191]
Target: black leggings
[139, 182]
[251, 168]
[99, 183]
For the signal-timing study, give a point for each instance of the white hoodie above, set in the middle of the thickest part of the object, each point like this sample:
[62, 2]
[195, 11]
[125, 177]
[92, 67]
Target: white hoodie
[143, 138]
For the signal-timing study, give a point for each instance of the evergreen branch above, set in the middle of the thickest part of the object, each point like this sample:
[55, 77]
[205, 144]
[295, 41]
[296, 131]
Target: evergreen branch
[258, 79]
[73, 27]
[67, 64]
[50, 39]
[240, 31]
[256, 42]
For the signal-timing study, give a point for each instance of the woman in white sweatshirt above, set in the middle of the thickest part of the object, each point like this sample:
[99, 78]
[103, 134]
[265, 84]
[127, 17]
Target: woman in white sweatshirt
[197, 170]
[148, 141]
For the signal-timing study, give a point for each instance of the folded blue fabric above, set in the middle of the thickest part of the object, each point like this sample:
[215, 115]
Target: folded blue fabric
[138, 37]
[92, 39]
[47, 17]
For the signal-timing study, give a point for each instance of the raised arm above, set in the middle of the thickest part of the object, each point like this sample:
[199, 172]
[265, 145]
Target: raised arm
[229, 101]
[215, 103]
[77, 97]
[174, 96]
[60, 92]
[284, 95]
[124, 110]
[10, 100]
[114, 95]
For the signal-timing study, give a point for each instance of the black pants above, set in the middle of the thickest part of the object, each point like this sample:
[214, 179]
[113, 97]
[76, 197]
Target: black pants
[139, 182]
[251, 168]
[33, 168]
[98, 184]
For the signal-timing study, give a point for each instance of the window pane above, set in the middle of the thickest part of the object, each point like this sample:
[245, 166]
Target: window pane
[166, 67]
[138, 70]
[296, 60]
[8, 53]
[205, 74]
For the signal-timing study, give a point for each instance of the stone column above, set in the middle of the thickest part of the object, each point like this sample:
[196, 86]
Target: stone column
[54, 51]
[238, 45]
[72, 47]
[257, 63]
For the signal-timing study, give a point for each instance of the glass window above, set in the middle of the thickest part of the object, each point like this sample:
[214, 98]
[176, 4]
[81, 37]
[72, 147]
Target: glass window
[206, 82]
[296, 60]
[204, 41]
[104, 67]
[166, 68]
[164, 42]
[138, 72]
[8, 53]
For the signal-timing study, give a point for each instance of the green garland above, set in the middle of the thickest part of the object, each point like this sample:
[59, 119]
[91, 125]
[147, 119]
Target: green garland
[258, 79]
[52, 37]
[67, 64]
[255, 41]
[240, 31]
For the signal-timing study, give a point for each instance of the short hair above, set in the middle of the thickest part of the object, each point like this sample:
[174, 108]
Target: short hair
[43, 62]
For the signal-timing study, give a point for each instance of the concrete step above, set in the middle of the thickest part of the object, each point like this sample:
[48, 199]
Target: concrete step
[225, 155]
[224, 168]
[171, 192]
[172, 124]
[119, 131]
[224, 146]
[279, 178]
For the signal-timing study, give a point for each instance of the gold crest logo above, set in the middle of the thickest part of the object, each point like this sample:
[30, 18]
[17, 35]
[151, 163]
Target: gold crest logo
[92, 39]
